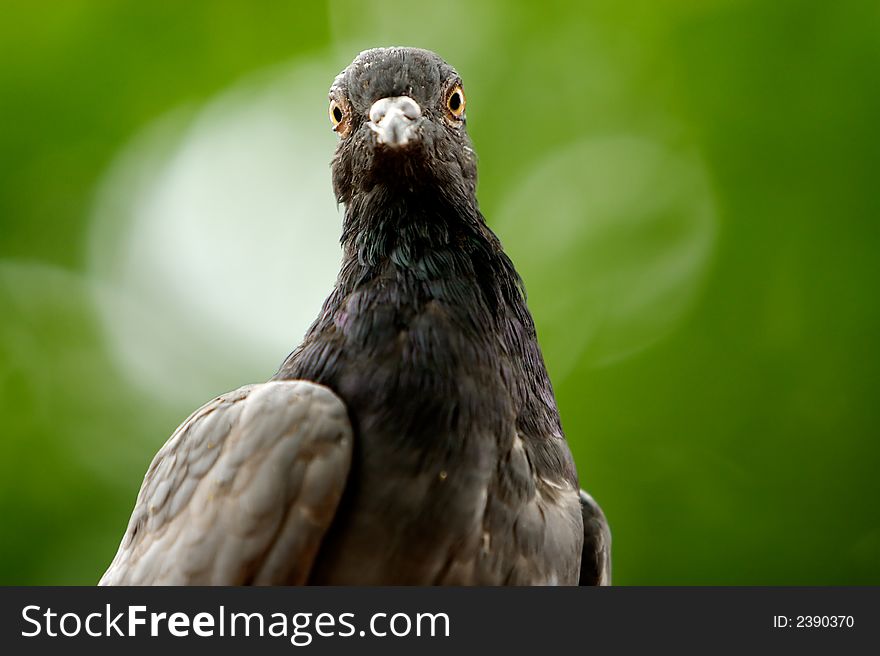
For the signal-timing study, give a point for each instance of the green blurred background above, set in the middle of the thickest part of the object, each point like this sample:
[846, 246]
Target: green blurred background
[689, 189]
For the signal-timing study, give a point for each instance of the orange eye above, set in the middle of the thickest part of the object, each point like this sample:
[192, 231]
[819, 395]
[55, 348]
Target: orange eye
[336, 114]
[455, 101]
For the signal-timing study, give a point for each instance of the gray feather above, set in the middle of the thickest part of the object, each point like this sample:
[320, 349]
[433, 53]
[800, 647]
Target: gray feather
[242, 492]
[596, 558]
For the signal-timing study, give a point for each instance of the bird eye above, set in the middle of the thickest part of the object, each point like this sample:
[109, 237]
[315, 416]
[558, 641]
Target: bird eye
[336, 114]
[455, 101]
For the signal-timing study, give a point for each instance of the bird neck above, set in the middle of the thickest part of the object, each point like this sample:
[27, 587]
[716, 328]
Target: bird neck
[427, 306]
[430, 247]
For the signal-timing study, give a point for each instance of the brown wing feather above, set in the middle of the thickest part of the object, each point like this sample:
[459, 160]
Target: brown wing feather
[242, 492]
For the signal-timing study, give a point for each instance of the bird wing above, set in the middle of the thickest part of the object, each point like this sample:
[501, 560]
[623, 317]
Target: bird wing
[242, 492]
[596, 554]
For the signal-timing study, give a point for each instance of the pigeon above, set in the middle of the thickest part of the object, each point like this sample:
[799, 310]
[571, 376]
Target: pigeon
[413, 437]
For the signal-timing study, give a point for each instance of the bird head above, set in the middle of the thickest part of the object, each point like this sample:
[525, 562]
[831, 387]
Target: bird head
[400, 117]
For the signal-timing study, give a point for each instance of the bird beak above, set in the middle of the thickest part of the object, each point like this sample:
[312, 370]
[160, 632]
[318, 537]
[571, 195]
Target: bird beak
[394, 120]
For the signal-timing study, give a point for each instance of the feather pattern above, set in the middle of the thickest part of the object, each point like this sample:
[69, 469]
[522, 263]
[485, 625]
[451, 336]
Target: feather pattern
[241, 493]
